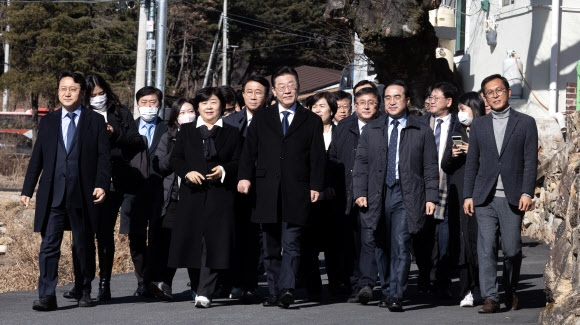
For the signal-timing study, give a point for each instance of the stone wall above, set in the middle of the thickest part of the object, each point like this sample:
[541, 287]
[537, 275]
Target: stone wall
[555, 219]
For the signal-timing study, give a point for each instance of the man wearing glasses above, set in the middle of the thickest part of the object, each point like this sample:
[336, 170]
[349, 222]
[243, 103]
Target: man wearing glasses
[433, 248]
[500, 175]
[395, 180]
[255, 90]
[284, 159]
[71, 158]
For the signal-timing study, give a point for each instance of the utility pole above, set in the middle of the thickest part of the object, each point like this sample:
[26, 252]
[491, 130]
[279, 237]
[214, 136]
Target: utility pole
[141, 52]
[160, 59]
[208, 71]
[6, 66]
[225, 46]
[150, 42]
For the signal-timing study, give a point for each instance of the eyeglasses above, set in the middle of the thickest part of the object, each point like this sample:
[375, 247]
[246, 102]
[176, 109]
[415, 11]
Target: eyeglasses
[397, 98]
[70, 89]
[368, 102]
[282, 88]
[498, 91]
[435, 98]
[258, 93]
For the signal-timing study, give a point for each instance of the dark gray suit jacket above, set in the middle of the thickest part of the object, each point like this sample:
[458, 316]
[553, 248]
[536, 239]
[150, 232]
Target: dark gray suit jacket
[517, 161]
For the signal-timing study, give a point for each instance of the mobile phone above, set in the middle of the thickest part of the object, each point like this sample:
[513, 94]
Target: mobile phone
[457, 140]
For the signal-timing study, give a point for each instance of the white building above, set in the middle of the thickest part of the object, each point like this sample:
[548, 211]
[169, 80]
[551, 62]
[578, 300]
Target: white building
[548, 49]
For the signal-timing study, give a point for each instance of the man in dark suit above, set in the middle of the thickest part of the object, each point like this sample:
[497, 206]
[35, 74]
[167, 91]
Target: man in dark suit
[255, 91]
[141, 209]
[395, 184]
[341, 155]
[72, 154]
[433, 247]
[284, 152]
[500, 177]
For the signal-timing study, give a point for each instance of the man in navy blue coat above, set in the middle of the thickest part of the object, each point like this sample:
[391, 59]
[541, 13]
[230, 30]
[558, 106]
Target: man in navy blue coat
[72, 154]
[500, 177]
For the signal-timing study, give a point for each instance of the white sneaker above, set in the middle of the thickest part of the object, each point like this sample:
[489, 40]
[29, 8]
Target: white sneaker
[202, 302]
[467, 301]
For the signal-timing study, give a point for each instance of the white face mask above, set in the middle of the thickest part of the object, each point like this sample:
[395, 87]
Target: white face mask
[99, 103]
[148, 114]
[464, 118]
[186, 118]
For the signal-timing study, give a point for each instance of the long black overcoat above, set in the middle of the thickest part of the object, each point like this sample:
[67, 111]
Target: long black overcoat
[206, 210]
[285, 167]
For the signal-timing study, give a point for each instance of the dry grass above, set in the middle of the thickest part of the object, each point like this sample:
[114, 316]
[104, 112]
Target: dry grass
[19, 266]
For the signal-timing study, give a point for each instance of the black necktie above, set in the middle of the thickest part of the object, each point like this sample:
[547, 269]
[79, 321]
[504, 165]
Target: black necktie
[392, 155]
[70, 132]
[285, 122]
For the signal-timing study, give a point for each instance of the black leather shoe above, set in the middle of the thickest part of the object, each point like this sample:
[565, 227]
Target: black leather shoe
[286, 299]
[395, 305]
[86, 300]
[73, 293]
[353, 298]
[249, 297]
[142, 291]
[104, 291]
[271, 301]
[46, 303]
[384, 303]
[365, 295]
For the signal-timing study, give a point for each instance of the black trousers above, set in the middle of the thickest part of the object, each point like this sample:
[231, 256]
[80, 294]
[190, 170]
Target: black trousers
[204, 279]
[84, 249]
[244, 271]
[281, 255]
[108, 212]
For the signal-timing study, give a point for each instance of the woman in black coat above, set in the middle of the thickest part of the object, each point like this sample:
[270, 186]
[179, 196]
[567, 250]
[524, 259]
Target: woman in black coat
[453, 163]
[205, 156]
[181, 113]
[124, 141]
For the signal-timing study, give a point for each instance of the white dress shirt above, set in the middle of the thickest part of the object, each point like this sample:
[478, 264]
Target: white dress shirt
[402, 124]
[66, 122]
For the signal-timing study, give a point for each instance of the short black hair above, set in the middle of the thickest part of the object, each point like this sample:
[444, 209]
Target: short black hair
[149, 90]
[205, 94]
[77, 78]
[282, 71]
[341, 94]
[401, 83]
[229, 95]
[364, 83]
[330, 99]
[449, 91]
[495, 76]
[259, 79]
[474, 101]
[366, 91]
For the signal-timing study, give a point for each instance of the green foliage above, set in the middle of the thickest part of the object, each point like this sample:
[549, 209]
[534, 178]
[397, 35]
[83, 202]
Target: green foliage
[46, 38]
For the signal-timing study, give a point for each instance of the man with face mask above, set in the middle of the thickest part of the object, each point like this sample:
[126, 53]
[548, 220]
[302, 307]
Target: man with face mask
[141, 210]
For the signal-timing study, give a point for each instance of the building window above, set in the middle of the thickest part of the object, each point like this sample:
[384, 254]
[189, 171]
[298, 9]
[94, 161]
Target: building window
[507, 2]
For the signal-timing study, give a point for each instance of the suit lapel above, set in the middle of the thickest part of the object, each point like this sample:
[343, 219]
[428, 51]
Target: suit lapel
[511, 125]
[84, 123]
[299, 117]
[489, 133]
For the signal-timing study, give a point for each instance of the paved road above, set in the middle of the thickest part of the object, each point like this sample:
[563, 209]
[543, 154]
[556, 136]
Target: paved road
[16, 307]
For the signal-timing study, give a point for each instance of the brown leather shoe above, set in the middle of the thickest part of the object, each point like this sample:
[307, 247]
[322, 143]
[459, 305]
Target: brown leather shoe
[489, 306]
[511, 301]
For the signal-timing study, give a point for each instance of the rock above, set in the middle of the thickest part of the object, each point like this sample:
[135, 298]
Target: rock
[2, 230]
[3, 249]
